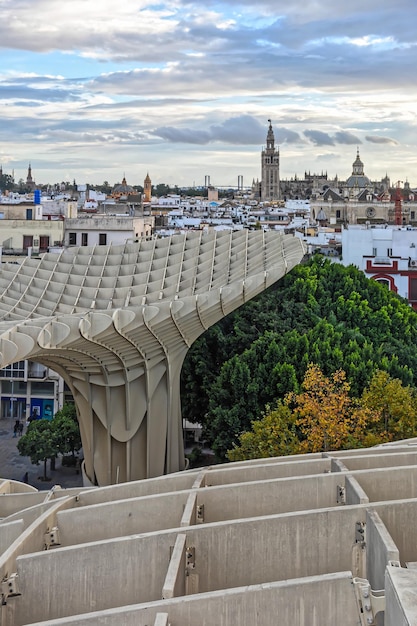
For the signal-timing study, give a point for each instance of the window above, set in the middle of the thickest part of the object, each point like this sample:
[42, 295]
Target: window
[12, 405]
[42, 388]
[13, 387]
[72, 239]
[84, 239]
[383, 281]
[102, 239]
[413, 289]
[413, 215]
[389, 251]
[36, 370]
[16, 370]
[338, 214]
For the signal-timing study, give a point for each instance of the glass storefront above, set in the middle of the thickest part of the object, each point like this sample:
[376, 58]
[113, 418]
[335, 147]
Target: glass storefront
[42, 408]
[13, 408]
[27, 389]
[20, 399]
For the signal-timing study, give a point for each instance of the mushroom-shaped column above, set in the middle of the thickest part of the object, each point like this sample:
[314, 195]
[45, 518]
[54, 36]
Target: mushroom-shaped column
[120, 322]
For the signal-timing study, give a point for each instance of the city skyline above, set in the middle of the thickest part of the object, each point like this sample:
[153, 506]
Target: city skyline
[183, 90]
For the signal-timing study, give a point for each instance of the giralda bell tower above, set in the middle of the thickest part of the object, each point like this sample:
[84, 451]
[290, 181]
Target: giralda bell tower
[270, 168]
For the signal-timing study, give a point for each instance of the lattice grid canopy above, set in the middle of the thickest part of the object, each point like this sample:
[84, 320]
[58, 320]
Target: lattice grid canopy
[116, 322]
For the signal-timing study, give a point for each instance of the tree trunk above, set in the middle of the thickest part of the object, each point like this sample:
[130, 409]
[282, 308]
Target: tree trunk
[44, 469]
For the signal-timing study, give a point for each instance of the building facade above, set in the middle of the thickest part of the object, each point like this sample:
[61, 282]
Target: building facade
[28, 388]
[19, 236]
[358, 186]
[93, 230]
[387, 254]
[358, 200]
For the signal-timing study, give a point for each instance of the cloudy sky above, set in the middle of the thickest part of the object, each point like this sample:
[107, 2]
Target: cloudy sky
[183, 88]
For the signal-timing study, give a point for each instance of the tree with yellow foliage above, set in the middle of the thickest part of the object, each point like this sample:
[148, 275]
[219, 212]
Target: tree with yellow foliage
[323, 416]
[327, 417]
[396, 406]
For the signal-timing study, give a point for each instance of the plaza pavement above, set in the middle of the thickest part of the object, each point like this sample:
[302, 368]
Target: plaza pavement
[14, 466]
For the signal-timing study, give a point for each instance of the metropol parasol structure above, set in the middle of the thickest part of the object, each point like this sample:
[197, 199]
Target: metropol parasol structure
[321, 539]
[116, 323]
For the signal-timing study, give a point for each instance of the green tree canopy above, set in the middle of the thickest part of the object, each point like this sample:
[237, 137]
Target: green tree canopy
[38, 443]
[322, 313]
[6, 182]
[273, 435]
[66, 429]
[45, 439]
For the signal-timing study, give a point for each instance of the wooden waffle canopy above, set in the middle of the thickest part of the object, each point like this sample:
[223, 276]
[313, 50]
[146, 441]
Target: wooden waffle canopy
[116, 323]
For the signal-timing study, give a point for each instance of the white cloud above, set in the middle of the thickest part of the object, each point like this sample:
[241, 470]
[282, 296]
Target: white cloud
[182, 85]
[381, 140]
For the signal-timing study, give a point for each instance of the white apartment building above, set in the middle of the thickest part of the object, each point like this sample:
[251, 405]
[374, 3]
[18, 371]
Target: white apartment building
[387, 254]
[103, 229]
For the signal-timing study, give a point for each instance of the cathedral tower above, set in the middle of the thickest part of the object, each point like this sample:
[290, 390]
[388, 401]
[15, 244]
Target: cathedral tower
[270, 168]
[30, 183]
[147, 189]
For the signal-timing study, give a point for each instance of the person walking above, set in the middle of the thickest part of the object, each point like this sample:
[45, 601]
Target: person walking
[16, 428]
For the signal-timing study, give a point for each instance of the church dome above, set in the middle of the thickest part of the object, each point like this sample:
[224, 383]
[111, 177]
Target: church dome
[357, 181]
[358, 178]
[123, 188]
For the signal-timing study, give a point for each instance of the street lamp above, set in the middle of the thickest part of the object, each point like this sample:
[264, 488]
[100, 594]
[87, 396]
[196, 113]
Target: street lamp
[12, 400]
